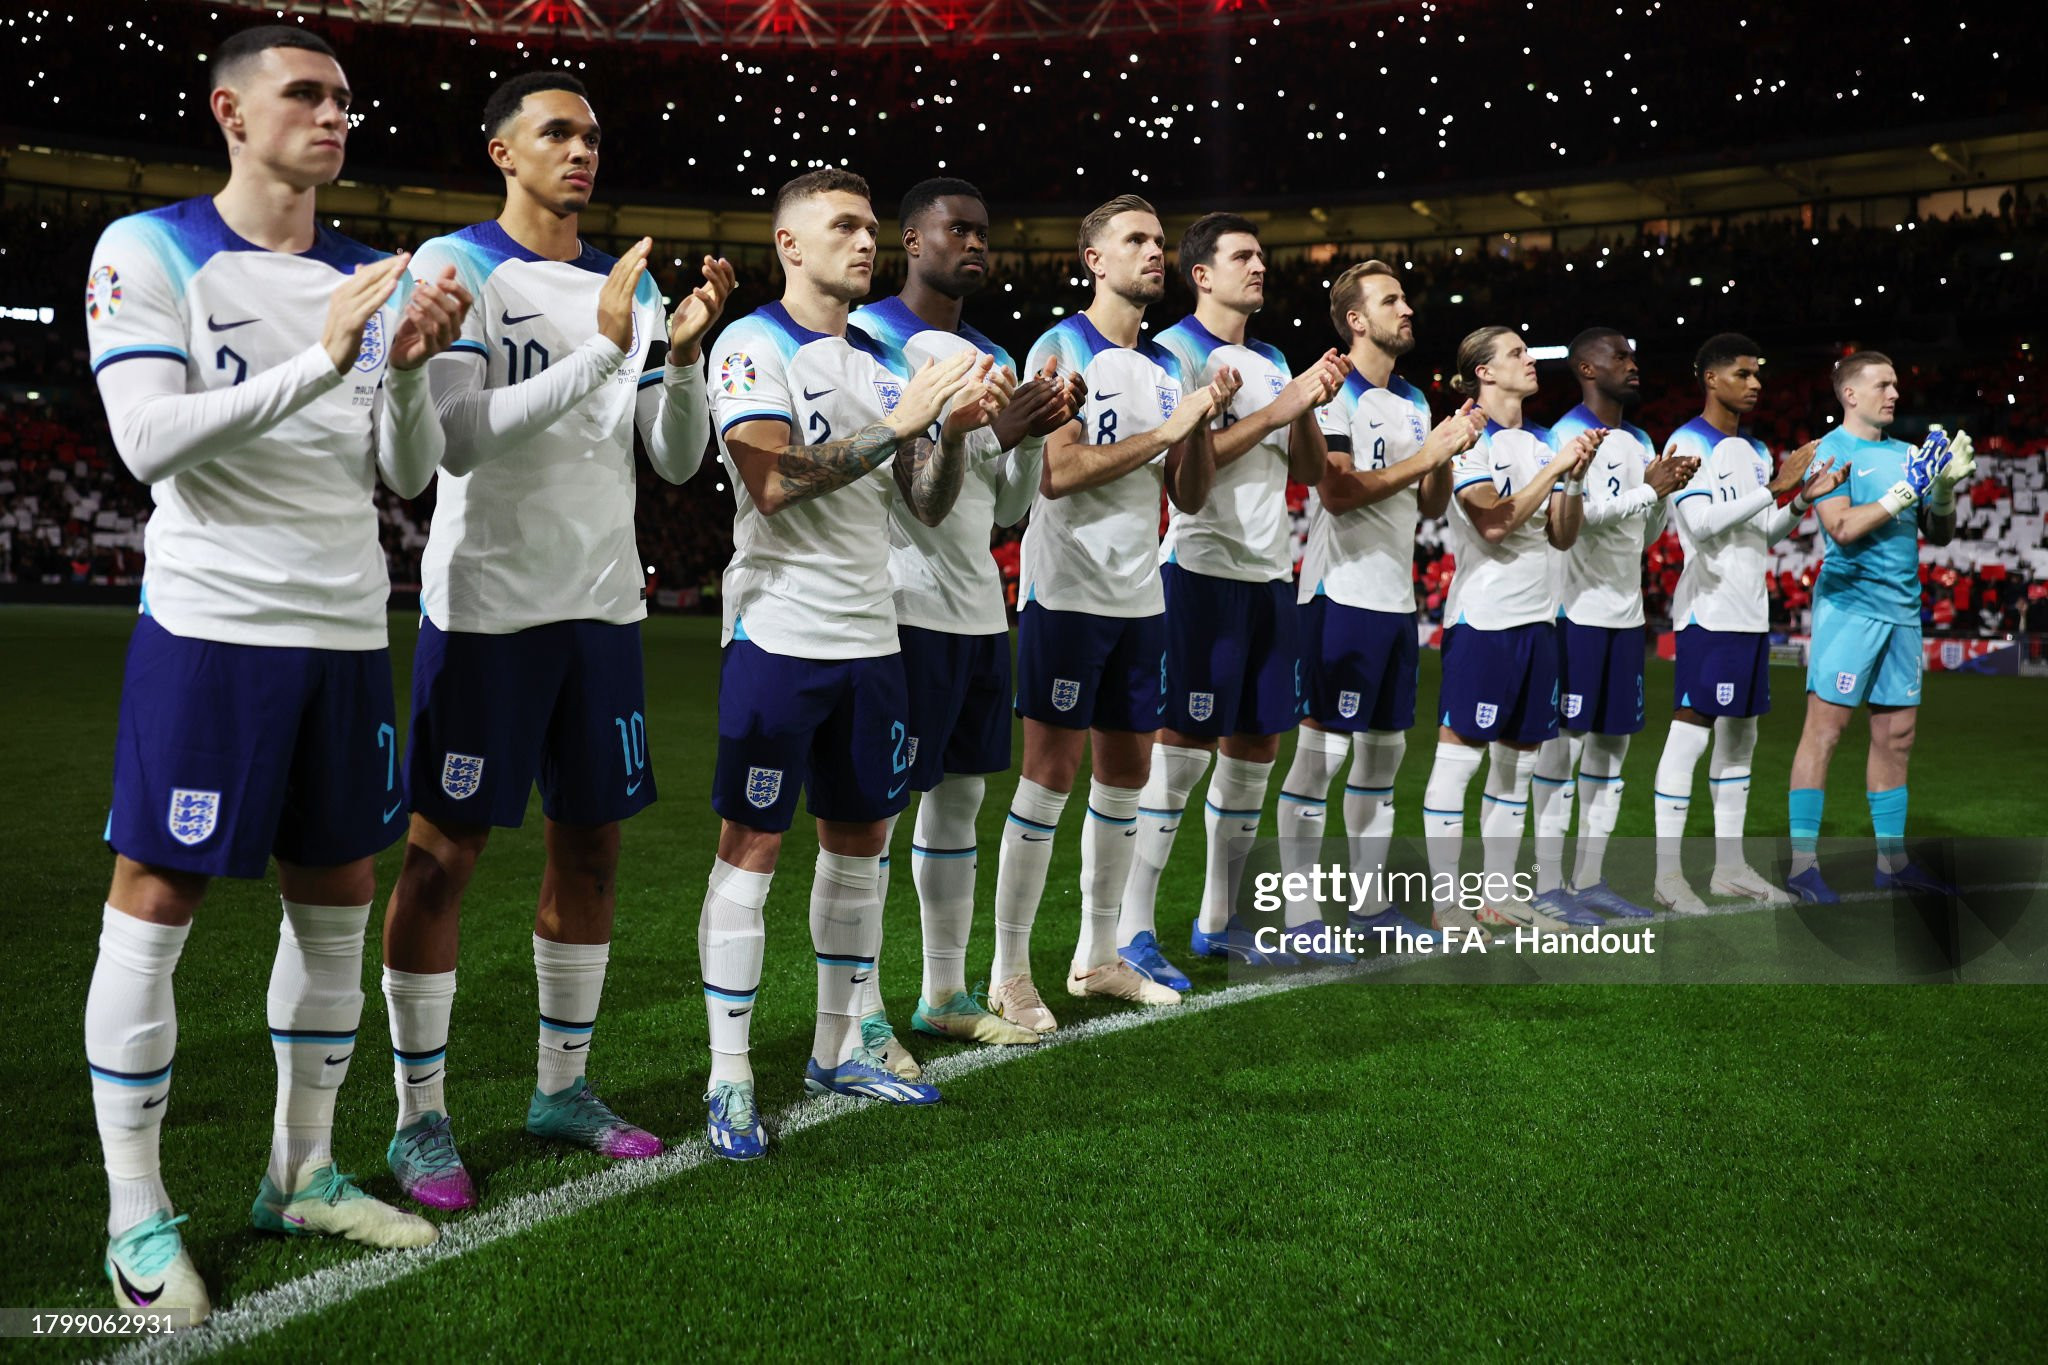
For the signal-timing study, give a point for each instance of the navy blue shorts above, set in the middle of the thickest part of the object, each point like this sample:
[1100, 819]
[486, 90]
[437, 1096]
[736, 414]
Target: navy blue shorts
[959, 690]
[1501, 684]
[1724, 672]
[1361, 666]
[228, 754]
[1600, 678]
[1233, 655]
[837, 728]
[1077, 670]
[562, 704]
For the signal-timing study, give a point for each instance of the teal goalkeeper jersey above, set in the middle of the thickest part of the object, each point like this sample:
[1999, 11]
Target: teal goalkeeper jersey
[1878, 576]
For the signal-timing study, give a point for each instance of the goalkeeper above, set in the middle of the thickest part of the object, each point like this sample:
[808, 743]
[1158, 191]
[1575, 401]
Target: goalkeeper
[1866, 614]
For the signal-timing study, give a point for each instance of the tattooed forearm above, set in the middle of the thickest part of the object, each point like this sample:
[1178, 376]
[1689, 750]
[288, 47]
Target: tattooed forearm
[929, 474]
[807, 472]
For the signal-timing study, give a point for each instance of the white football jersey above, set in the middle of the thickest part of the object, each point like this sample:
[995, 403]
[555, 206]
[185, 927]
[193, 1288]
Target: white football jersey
[1242, 531]
[542, 531]
[945, 577]
[1098, 550]
[1601, 578]
[1721, 585]
[273, 539]
[1495, 587]
[1366, 557]
[812, 581]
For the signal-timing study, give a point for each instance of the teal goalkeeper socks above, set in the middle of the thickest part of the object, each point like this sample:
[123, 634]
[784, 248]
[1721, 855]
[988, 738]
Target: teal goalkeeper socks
[1888, 822]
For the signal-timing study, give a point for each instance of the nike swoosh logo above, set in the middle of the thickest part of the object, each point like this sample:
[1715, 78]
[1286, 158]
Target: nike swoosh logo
[734, 1014]
[1500, 469]
[213, 326]
[295, 1222]
[1863, 472]
[1375, 425]
[505, 319]
[897, 789]
[1130, 834]
[810, 397]
[1037, 838]
[576, 1047]
[337, 1061]
[151, 1104]
[1169, 829]
[856, 980]
[1912, 691]
[1105, 397]
[1249, 829]
[136, 1295]
[422, 1080]
[635, 787]
[393, 811]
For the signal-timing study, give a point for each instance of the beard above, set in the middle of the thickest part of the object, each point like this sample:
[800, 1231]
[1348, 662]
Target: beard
[1394, 343]
[1144, 291]
[1627, 396]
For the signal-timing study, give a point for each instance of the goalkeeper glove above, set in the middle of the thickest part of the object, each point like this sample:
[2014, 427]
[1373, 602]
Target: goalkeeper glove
[1958, 470]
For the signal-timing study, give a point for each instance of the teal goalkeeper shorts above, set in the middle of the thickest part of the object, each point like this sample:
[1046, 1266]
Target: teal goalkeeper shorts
[1853, 659]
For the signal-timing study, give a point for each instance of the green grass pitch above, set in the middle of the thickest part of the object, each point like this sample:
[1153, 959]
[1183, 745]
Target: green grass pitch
[1407, 1170]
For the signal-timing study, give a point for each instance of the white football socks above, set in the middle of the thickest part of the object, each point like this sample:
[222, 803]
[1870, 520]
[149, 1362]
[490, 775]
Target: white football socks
[1599, 804]
[1550, 804]
[1022, 858]
[1673, 794]
[419, 1005]
[1230, 821]
[1369, 802]
[1504, 810]
[845, 931]
[1175, 771]
[1728, 780]
[315, 1005]
[1443, 808]
[1303, 812]
[1108, 838]
[942, 862]
[131, 1034]
[571, 980]
[730, 937]
[871, 989]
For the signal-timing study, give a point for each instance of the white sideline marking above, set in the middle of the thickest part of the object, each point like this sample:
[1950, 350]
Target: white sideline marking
[266, 1310]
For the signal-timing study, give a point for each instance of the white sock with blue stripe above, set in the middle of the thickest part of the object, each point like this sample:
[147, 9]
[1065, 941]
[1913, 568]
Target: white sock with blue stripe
[1675, 767]
[1599, 804]
[731, 933]
[1304, 809]
[1175, 771]
[942, 863]
[315, 1004]
[846, 928]
[571, 981]
[871, 989]
[131, 1034]
[1443, 810]
[419, 1004]
[1230, 821]
[1503, 811]
[1109, 837]
[1550, 803]
[1022, 858]
[1369, 802]
[1728, 777]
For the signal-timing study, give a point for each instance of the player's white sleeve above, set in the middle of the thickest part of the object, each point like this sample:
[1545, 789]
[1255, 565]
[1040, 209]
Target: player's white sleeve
[409, 438]
[1778, 522]
[481, 421]
[1706, 518]
[160, 429]
[1016, 477]
[674, 418]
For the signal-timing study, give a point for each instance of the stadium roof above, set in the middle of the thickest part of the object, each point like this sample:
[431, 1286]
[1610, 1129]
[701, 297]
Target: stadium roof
[813, 23]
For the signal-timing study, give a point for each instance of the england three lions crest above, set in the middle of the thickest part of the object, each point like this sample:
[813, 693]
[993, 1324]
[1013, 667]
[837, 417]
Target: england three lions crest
[372, 354]
[1201, 705]
[461, 775]
[1724, 693]
[1574, 702]
[1485, 714]
[193, 815]
[1347, 704]
[1169, 399]
[890, 392]
[764, 785]
[1065, 693]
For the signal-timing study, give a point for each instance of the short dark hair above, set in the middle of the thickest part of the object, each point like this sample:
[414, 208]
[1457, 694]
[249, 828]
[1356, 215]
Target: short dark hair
[1720, 349]
[927, 193]
[1198, 243]
[503, 105]
[1348, 292]
[1855, 363]
[1583, 344]
[825, 180]
[1099, 217]
[254, 42]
